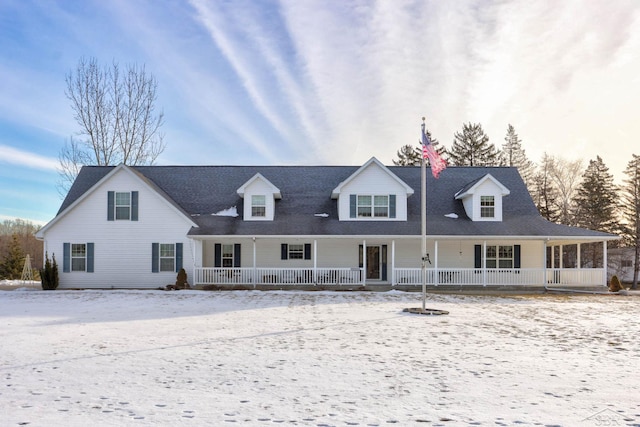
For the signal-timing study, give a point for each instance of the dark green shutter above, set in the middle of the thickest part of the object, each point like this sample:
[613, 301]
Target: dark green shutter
[352, 206]
[217, 261]
[284, 251]
[236, 255]
[66, 257]
[360, 256]
[384, 262]
[90, 257]
[392, 206]
[516, 256]
[307, 251]
[155, 257]
[477, 263]
[111, 203]
[134, 206]
[178, 256]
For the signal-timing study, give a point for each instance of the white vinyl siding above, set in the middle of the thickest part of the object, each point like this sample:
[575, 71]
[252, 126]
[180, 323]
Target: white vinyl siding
[123, 255]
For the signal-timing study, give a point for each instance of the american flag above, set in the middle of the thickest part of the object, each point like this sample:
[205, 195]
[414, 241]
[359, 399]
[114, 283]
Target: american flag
[438, 164]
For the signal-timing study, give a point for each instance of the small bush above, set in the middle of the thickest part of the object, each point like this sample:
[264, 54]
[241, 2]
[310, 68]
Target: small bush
[181, 280]
[49, 274]
[615, 284]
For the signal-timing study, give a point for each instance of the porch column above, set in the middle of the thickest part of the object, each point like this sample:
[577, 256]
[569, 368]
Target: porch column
[544, 263]
[578, 257]
[604, 262]
[393, 263]
[435, 264]
[255, 256]
[484, 263]
[364, 262]
[315, 261]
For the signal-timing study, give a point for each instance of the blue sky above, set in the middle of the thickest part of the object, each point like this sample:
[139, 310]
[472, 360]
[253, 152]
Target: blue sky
[323, 81]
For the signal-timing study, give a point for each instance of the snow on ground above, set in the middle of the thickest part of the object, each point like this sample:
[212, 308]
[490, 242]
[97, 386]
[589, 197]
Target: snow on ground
[193, 358]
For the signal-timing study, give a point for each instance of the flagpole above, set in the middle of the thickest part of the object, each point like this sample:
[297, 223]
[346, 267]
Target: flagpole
[437, 165]
[423, 210]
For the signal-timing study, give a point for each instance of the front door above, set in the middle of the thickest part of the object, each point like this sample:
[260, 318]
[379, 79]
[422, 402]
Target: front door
[373, 262]
[376, 262]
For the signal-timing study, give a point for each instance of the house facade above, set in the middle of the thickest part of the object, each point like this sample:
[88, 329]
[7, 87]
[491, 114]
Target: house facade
[311, 227]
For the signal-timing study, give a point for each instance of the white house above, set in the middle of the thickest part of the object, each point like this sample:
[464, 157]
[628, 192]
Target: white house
[310, 227]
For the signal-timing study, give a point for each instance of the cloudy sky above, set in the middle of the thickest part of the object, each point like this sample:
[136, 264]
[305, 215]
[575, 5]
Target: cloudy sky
[323, 81]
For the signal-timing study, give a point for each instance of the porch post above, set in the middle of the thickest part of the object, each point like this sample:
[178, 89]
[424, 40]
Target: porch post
[315, 261]
[604, 262]
[544, 263]
[393, 263]
[255, 255]
[484, 263]
[364, 262]
[578, 257]
[435, 264]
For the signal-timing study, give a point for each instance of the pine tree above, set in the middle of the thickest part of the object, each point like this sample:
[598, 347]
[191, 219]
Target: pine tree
[596, 199]
[513, 155]
[543, 191]
[11, 267]
[471, 147]
[409, 155]
[594, 207]
[631, 212]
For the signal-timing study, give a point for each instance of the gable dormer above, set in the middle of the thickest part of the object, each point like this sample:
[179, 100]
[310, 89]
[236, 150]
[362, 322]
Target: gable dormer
[259, 196]
[372, 193]
[482, 198]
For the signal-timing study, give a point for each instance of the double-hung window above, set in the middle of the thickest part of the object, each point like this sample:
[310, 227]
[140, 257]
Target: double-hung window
[296, 251]
[78, 257]
[258, 205]
[373, 206]
[487, 207]
[499, 256]
[123, 206]
[227, 255]
[167, 257]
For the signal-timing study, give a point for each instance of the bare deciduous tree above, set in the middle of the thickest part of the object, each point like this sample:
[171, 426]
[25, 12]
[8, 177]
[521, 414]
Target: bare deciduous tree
[116, 114]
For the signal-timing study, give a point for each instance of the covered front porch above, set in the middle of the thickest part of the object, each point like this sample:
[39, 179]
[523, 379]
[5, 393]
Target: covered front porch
[354, 263]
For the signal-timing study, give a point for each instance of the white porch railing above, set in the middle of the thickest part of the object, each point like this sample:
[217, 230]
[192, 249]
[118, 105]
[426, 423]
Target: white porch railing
[278, 276]
[502, 276]
[401, 276]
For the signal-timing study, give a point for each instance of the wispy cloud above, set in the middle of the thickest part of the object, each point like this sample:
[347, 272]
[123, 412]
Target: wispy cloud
[24, 158]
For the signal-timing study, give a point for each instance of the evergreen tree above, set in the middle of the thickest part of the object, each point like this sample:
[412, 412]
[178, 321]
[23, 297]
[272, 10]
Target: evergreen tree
[543, 191]
[11, 267]
[631, 212]
[408, 155]
[596, 199]
[513, 155]
[412, 156]
[471, 147]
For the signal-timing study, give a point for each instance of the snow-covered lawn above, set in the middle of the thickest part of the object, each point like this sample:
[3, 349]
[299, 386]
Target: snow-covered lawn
[192, 358]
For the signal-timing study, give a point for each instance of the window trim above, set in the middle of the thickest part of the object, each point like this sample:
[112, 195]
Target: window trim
[74, 256]
[163, 268]
[258, 210]
[487, 207]
[367, 206]
[123, 207]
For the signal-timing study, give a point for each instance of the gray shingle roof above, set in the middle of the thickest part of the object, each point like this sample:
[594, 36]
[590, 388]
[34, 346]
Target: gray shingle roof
[200, 191]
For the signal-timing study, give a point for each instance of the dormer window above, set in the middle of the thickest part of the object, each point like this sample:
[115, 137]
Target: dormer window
[258, 206]
[487, 206]
[373, 206]
[368, 206]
